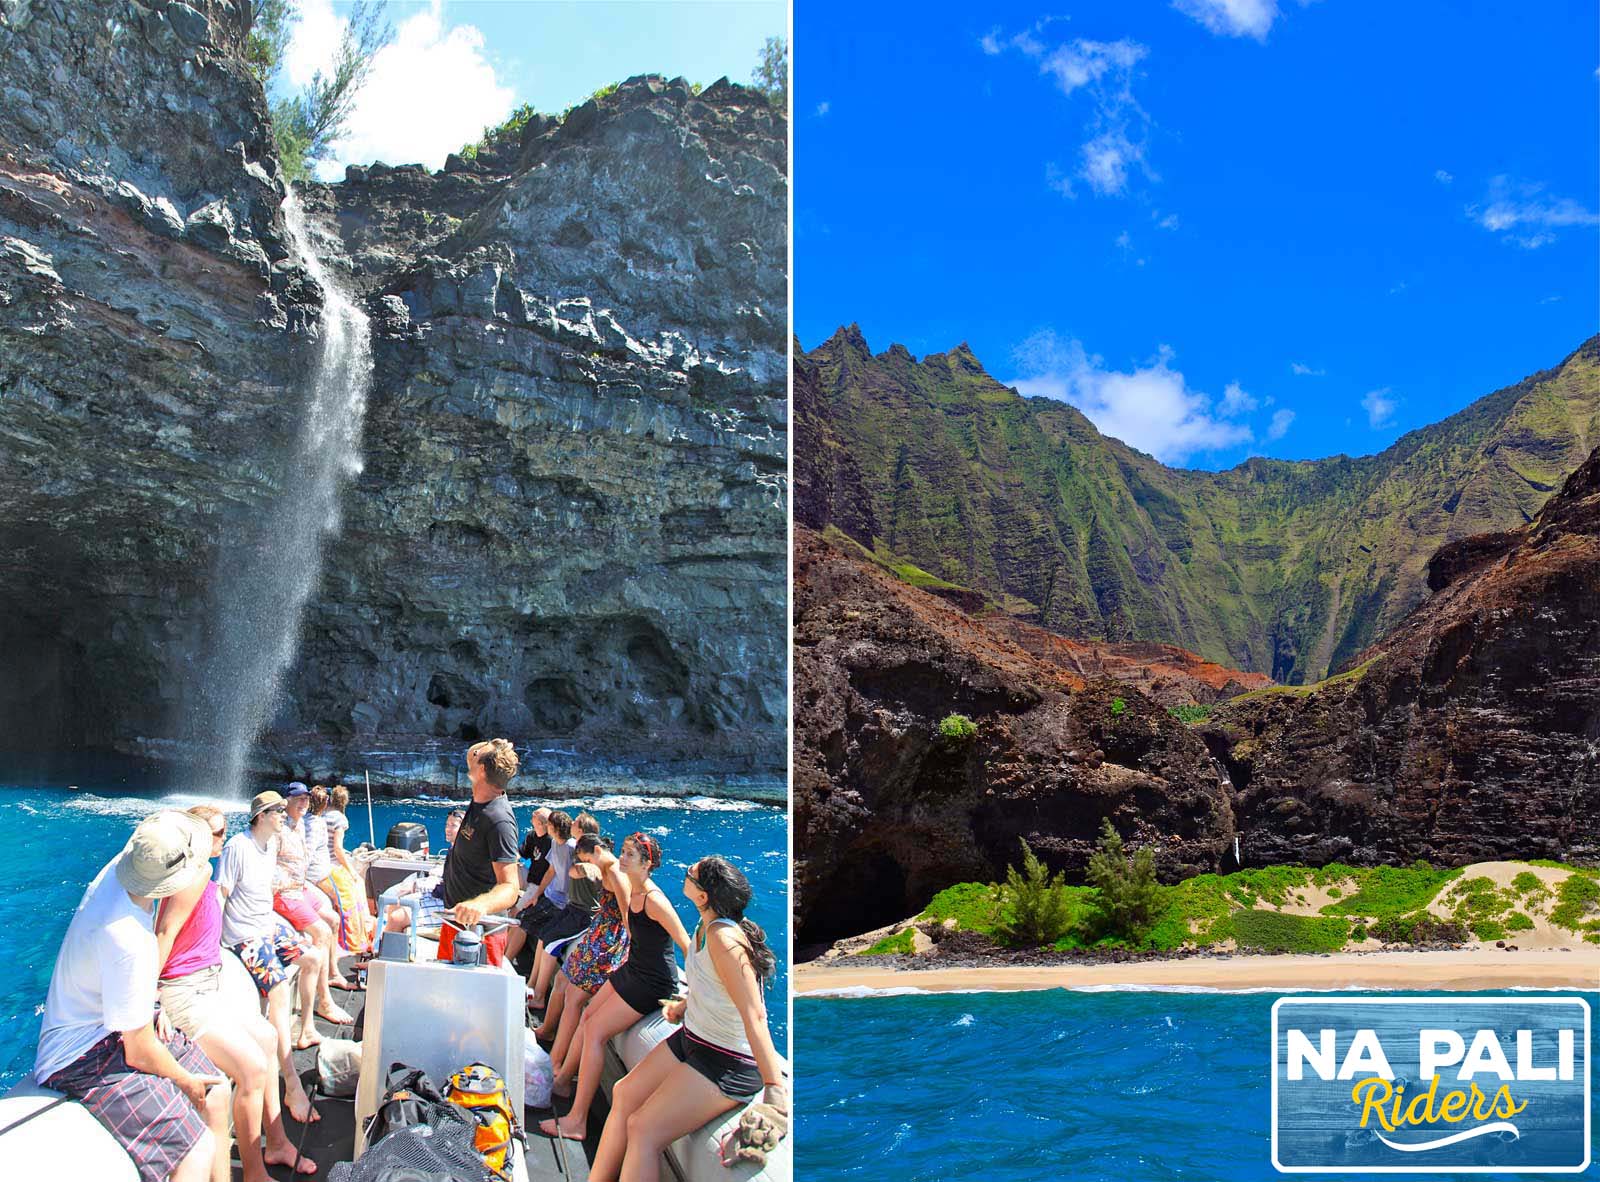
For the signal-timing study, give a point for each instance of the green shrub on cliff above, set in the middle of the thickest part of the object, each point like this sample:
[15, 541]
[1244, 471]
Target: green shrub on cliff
[305, 125]
[1037, 909]
[975, 906]
[1190, 715]
[957, 728]
[900, 944]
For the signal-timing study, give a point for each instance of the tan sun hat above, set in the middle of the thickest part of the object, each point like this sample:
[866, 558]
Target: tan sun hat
[169, 851]
[262, 801]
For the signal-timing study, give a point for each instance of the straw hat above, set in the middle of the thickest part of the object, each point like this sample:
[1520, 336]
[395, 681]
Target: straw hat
[262, 801]
[168, 852]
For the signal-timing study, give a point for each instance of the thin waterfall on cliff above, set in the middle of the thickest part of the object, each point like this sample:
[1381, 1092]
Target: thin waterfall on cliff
[267, 574]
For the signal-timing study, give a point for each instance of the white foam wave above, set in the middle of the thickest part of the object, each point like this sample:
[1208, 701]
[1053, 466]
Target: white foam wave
[852, 991]
[964, 1020]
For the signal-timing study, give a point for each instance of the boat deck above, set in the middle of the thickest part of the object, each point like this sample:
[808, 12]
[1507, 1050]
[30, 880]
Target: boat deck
[332, 1139]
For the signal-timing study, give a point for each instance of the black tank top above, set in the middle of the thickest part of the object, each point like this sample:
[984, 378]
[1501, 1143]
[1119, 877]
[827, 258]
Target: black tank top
[650, 950]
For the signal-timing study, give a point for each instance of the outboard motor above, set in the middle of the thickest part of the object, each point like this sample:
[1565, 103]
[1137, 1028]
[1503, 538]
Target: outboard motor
[467, 948]
[411, 836]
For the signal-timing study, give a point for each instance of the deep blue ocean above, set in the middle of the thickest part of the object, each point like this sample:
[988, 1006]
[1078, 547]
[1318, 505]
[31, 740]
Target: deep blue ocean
[57, 838]
[1087, 1086]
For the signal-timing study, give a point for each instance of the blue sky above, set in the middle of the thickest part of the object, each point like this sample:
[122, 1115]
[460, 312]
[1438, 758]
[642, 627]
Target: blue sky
[457, 66]
[1220, 227]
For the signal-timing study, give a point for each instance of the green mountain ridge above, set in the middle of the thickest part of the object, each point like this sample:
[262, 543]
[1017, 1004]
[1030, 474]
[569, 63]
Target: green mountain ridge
[1289, 568]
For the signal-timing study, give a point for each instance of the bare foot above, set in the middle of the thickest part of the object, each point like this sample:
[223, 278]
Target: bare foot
[561, 1087]
[308, 1037]
[334, 1014]
[287, 1157]
[562, 1128]
[300, 1110]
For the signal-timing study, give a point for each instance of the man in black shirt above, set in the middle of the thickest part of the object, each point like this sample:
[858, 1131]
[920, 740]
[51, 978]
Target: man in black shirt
[480, 872]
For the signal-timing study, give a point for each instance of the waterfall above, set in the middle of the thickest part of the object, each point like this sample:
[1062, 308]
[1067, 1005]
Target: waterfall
[267, 574]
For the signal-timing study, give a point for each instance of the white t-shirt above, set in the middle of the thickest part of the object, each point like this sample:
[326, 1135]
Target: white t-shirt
[244, 873]
[318, 859]
[105, 975]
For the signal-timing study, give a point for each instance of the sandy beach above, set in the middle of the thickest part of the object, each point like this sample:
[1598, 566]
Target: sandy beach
[1474, 968]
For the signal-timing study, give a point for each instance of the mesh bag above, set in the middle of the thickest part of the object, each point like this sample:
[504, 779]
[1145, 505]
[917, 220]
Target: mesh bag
[417, 1136]
[419, 1153]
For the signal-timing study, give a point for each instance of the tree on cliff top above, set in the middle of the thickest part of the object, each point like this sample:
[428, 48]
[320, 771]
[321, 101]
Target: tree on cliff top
[771, 75]
[305, 125]
[1129, 899]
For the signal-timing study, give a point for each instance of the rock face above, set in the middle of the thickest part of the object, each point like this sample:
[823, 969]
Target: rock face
[1470, 733]
[887, 812]
[1287, 569]
[570, 523]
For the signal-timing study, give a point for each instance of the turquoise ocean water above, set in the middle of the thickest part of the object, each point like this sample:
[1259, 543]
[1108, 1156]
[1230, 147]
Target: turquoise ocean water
[1016, 1087]
[57, 839]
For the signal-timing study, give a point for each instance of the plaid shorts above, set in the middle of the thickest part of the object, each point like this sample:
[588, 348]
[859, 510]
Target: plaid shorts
[268, 957]
[148, 1115]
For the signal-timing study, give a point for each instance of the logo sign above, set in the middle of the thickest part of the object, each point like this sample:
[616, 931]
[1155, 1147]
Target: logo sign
[1413, 1085]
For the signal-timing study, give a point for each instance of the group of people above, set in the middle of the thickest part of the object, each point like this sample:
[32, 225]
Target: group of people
[602, 933]
[140, 1027]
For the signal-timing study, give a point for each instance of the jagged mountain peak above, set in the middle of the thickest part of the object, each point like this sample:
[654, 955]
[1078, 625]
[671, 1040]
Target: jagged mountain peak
[1281, 567]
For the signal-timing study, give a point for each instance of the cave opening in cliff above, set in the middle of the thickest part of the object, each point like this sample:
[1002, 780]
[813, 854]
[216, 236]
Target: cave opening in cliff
[46, 698]
[866, 890]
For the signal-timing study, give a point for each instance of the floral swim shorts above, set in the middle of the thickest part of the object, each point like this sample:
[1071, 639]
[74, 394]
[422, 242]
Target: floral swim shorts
[268, 957]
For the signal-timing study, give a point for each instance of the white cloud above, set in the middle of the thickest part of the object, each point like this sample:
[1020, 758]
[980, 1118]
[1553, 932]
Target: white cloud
[1118, 126]
[1400, 286]
[1301, 369]
[1080, 63]
[1380, 407]
[1551, 299]
[1282, 420]
[1125, 241]
[1059, 181]
[824, 107]
[1236, 401]
[1107, 159]
[395, 119]
[1169, 222]
[1443, 177]
[313, 41]
[1522, 213]
[1232, 18]
[1150, 407]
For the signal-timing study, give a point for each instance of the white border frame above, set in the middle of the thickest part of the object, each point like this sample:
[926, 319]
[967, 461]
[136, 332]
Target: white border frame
[1503, 999]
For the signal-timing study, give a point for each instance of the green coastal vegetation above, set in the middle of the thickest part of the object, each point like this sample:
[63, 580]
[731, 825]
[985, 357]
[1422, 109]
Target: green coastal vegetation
[1271, 909]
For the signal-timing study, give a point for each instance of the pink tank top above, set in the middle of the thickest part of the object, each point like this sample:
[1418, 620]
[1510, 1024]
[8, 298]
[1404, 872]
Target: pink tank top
[199, 942]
